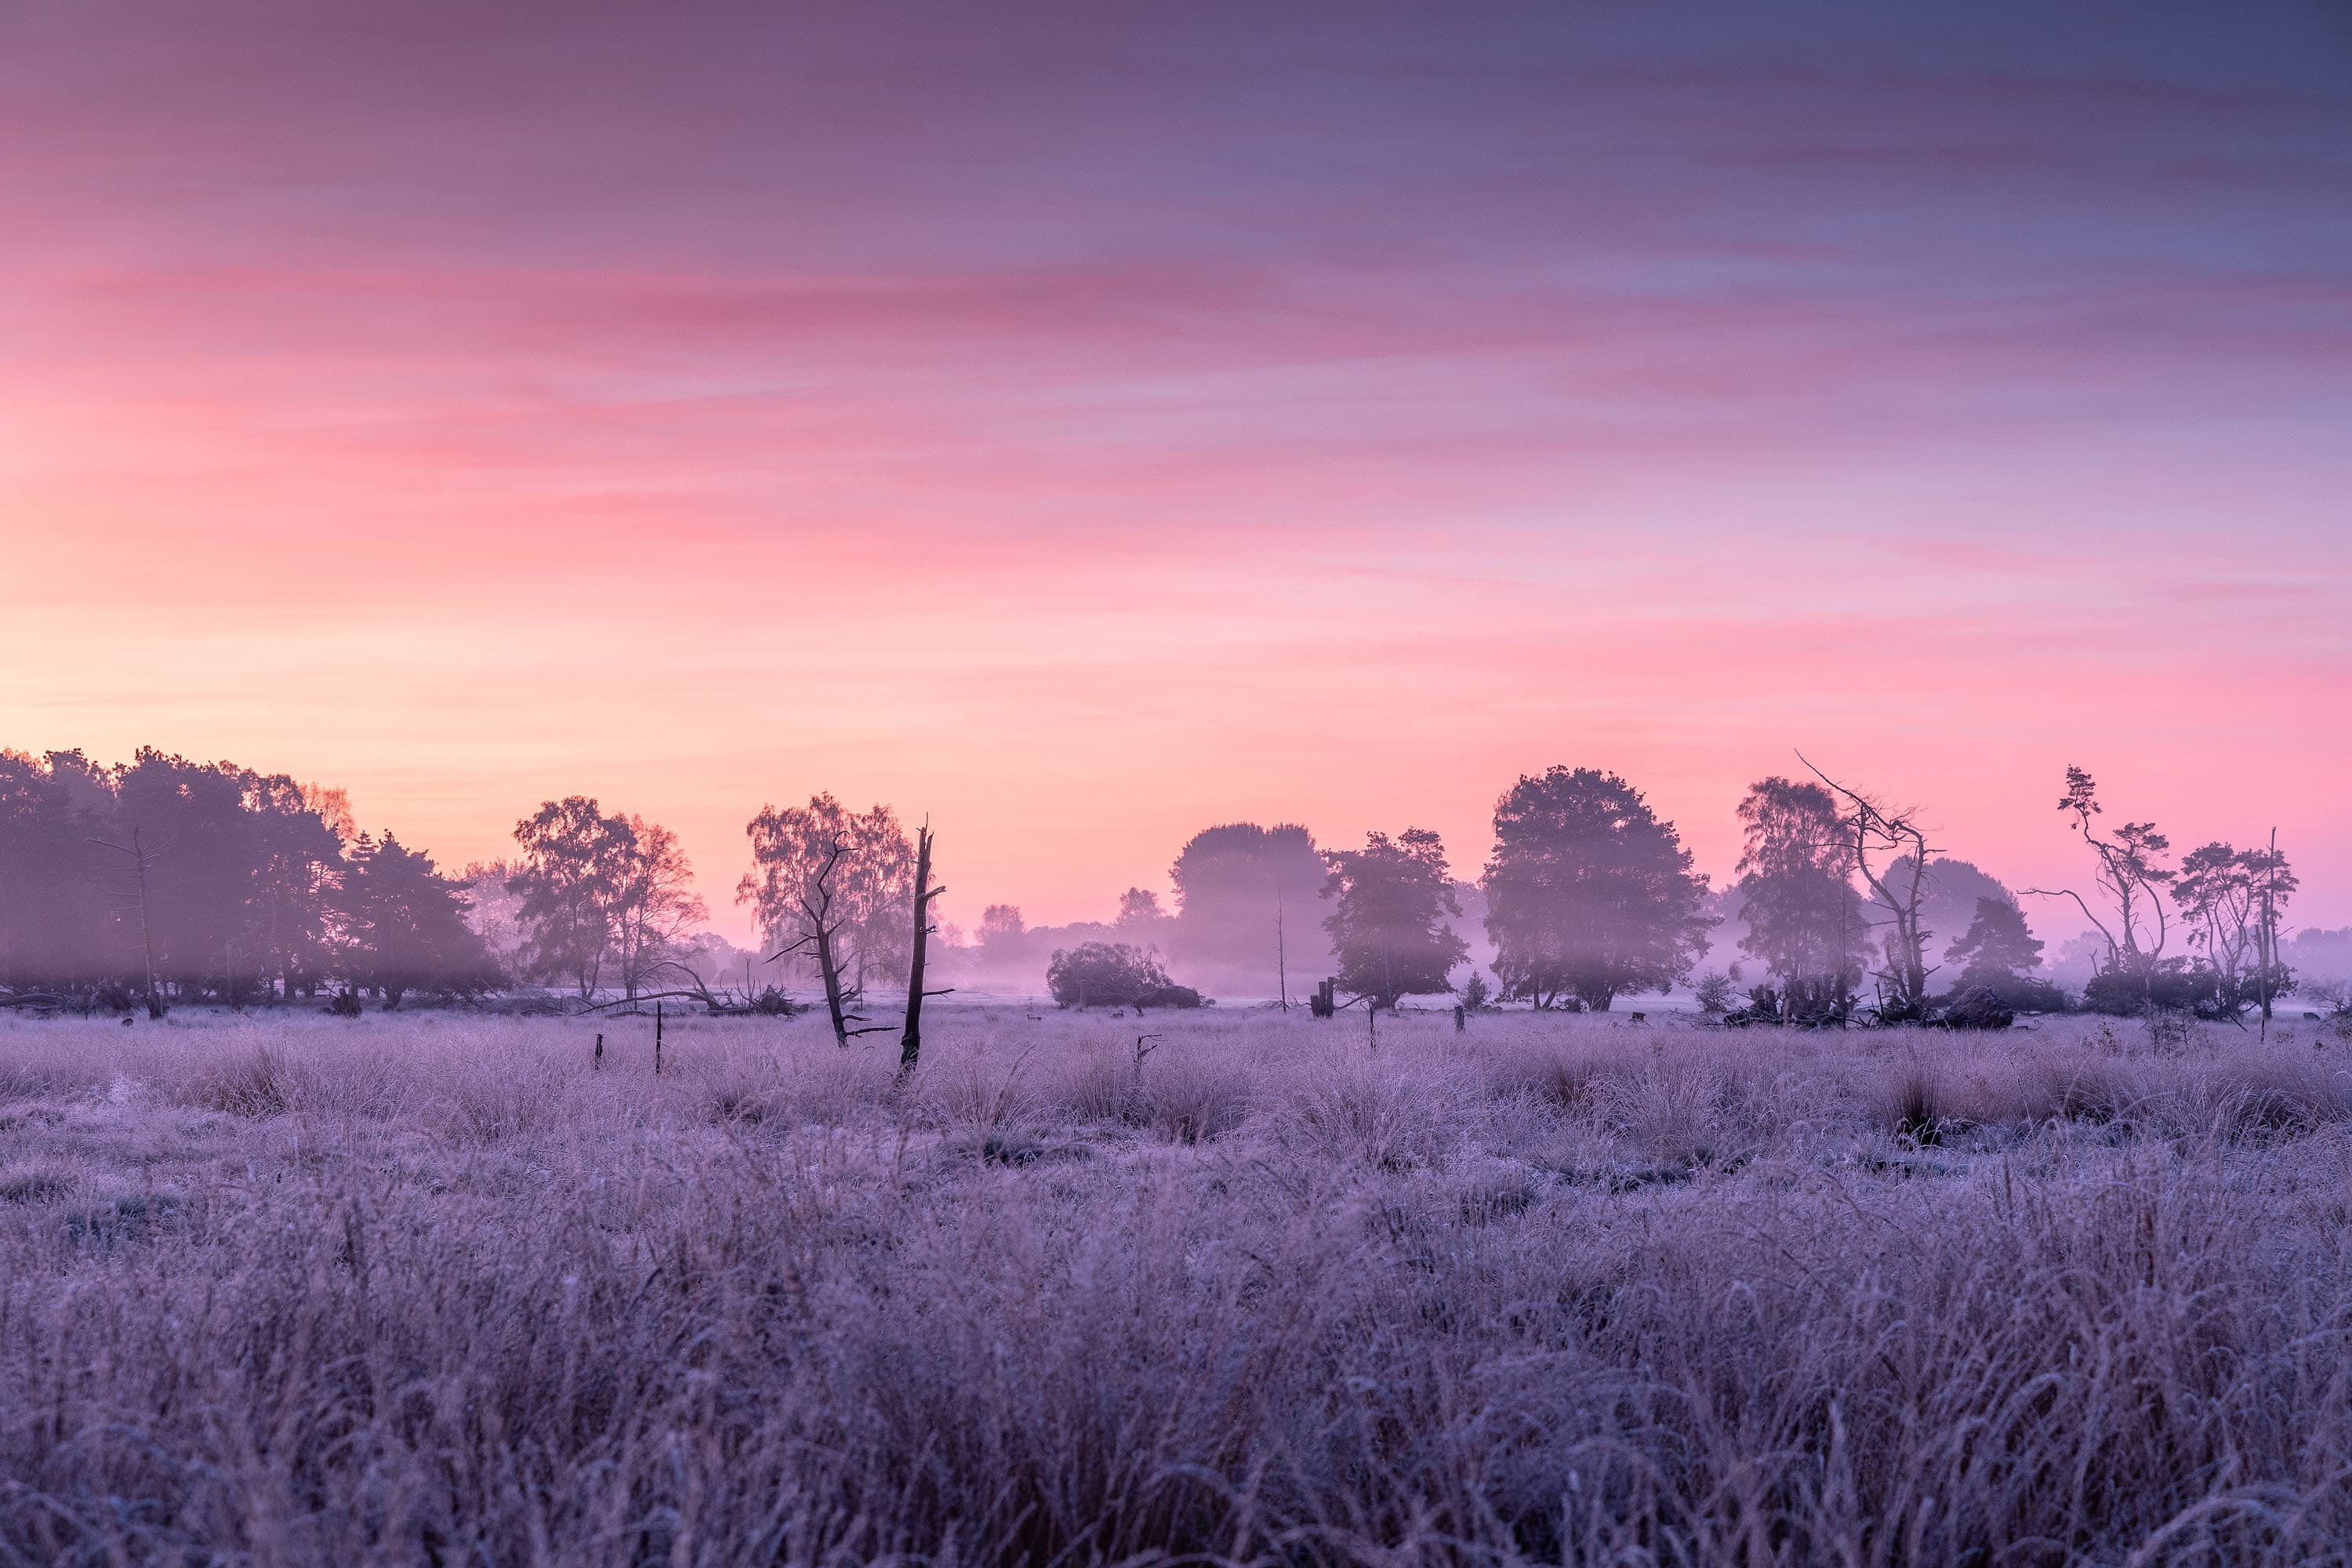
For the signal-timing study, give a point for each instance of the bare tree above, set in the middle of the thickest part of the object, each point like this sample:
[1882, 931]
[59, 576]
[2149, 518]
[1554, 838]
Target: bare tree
[1890, 837]
[822, 915]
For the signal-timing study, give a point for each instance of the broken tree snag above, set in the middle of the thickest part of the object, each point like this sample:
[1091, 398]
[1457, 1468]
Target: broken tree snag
[1323, 1005]
[910, 1041]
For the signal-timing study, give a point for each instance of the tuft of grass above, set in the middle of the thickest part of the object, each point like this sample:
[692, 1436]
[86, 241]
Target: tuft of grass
[252, 1085]
[35, 1186]
[1921, 1116]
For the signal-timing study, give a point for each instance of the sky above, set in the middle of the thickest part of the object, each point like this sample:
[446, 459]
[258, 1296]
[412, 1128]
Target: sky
[1084, 423]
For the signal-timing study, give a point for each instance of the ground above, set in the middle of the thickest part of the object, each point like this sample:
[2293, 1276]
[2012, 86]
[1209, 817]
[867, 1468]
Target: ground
[433, 1288]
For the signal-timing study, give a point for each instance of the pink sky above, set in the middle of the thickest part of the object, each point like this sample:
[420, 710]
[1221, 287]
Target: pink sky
[1085, 427]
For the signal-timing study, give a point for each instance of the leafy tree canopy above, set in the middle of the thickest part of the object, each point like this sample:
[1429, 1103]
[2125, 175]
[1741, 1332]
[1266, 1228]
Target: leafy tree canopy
[1388, 921]
[1588, 894]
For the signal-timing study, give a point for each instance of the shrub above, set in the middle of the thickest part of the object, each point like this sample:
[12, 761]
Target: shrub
[1105, 974]
[2025, 993]
[2169, 987]
[1974, 1007]
[1714, 991]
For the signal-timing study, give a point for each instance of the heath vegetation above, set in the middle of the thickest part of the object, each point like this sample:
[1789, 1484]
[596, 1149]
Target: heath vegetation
[1224, 1285]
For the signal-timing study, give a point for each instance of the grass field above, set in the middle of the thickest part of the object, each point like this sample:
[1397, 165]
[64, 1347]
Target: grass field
[427, 1288]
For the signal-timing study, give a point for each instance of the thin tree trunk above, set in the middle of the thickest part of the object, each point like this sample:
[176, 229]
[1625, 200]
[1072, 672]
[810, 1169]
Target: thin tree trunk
[1281, 961]
[910, 1041]
[2268, 935]
[833, 997]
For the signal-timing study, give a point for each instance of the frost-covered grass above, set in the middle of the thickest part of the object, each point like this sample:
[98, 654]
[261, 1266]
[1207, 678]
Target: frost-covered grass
[426, 1290]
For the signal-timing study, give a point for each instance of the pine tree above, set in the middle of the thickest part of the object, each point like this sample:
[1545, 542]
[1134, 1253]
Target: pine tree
[405, 926]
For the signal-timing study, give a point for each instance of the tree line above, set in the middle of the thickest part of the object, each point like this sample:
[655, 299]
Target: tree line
[164, 880]
[1589, 896]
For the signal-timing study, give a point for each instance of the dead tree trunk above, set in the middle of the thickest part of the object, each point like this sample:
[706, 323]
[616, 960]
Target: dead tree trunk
[835, 1005]
[910, 1040]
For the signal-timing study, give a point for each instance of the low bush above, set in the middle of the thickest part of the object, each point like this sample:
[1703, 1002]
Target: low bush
[1106, 974]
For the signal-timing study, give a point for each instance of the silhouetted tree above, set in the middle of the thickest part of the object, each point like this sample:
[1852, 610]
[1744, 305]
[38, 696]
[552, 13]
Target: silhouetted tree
[654, 907]
[869, 887]
[59, 931]
[1232, 881]
[173, 877]
[1000, 924]
[200, 852]
[2130, 879]
[2273, 884]
[2222, 893]
[1139, 906]
[817, 915]
[1947, 895]
[302, 833]
[1388, 921]
[240, 871]
[575, 861]
[1588, 894]
[1998, 953]
[1880, 837]
[910, 1033]
[1997, 945]
[404, 926]
[1804, 920]
[829, 885]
